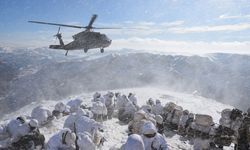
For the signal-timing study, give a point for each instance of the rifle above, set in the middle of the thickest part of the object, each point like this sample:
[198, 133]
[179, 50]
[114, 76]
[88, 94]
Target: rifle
[102, 142]
[77, 147]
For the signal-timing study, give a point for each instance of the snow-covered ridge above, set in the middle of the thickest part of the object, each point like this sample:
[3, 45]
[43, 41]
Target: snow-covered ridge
[48, 74]
[193, 103]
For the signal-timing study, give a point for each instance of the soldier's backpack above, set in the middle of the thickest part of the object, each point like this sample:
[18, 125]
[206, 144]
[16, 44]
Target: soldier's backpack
[222, 138]
[169, 107]
[236, 113]
[176, 115]
[248, 133]
[203, 120]
[189, 121]
[226, 113]
[223, 141]
[33, 139]
[203, 124]
[246, 124]
[228, 131]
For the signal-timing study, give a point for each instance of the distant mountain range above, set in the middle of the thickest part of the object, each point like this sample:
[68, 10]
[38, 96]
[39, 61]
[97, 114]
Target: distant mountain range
[28, 75]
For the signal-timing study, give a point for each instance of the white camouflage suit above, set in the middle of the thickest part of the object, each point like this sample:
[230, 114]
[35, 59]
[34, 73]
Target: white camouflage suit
[42, 115]
[156, 142]
[134, 142]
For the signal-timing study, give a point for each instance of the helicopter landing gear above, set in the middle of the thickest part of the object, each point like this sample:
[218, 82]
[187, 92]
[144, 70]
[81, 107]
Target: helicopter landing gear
[66, 53]
[102, 50]
[85, 50]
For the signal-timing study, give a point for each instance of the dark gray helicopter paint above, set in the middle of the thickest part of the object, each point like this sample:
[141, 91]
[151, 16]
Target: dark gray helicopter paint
[85, 40]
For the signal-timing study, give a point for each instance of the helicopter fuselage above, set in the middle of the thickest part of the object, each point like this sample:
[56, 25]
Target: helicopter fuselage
[86, 40]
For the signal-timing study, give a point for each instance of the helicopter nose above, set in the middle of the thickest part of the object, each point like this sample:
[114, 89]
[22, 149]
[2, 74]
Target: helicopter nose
[109, 42]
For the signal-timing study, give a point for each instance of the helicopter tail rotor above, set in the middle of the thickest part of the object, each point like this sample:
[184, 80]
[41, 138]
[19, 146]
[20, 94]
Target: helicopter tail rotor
[59, 36]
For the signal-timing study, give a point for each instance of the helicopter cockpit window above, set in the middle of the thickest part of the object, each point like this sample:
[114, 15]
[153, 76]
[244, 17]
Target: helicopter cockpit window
[103, 36]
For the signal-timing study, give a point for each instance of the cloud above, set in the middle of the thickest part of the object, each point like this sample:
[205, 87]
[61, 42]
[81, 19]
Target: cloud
[149, 28]
[140, 29]
[200, 47]
[161, 24]
[175, 27]
[144, 23]
[215, 28]
[234, 16]
[171, 24]
[159, 46]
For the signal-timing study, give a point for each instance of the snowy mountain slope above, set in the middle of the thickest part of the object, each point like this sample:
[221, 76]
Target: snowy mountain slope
[44, 74]
[115, 133]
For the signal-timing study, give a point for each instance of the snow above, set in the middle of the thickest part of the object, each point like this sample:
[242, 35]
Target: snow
[114, 132]
[27, 71]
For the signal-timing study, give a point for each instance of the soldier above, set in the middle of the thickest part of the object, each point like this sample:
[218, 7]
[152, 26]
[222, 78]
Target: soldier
[189, 129]
[174, 117]
[183, 122]
[159, 124]
[120, 101]
[152, 139]
[157, 109]
[134, 142]
[65, 139]
[150, 102]
[244, 133]
[202, 126]
[17, 128]
[222, 136]
[99, 110]
[128, 114]
[140, 117]
[137, 123]
[85, 141]
[109, 103]
[132, 98]
[227, 131]
[80, 123]
[61, 110]
[42, 115]
[121, 104]
[168, 113]
[74, 104]
[31, 140]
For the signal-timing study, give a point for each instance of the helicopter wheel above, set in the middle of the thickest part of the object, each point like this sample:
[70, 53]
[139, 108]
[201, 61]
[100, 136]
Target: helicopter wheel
[102, 50]
[85, 50]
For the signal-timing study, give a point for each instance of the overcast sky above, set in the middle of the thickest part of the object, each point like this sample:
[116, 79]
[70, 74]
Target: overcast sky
[203, 26]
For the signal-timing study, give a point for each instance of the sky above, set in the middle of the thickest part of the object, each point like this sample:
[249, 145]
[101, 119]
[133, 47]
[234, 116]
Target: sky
[199, 26]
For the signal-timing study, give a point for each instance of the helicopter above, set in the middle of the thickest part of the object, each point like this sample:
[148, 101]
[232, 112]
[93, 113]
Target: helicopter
[87, 39]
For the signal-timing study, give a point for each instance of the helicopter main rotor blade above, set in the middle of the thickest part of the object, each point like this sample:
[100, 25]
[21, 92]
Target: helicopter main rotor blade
[91, 22]
[106, 28]
[121, 28]
[57, 24]
[89, 27]
[58, 30]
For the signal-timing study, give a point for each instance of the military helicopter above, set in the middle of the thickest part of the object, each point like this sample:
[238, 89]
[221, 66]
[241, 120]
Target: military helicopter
[87, 39]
